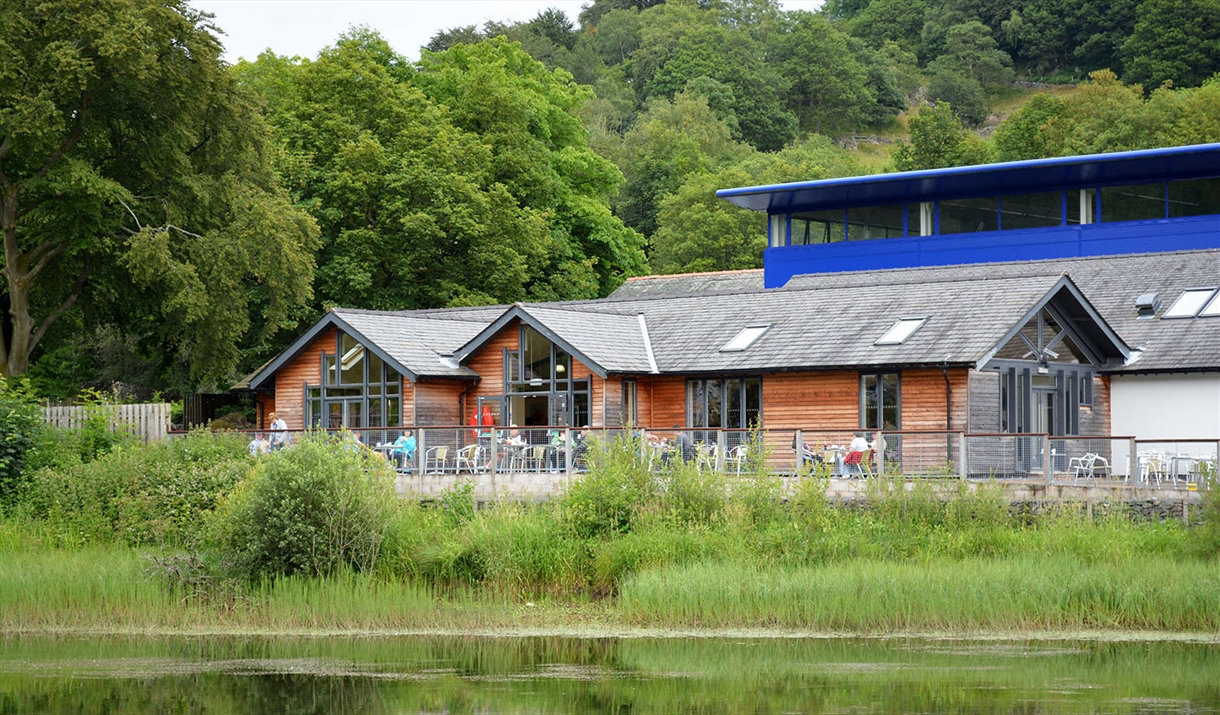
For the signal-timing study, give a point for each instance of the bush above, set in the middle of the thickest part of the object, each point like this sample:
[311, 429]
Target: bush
[319, 507]
[21, 429]
[152, 493]
[610, 497]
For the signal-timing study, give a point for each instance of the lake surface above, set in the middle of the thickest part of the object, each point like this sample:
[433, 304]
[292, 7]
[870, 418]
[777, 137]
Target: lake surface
[602, 675]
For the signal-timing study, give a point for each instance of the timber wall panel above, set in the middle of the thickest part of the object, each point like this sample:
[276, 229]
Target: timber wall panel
[438, 403]
[923, 399]
[807, 400]
[408, 403]
[1096, 420]
[290, 380]
[488, 362]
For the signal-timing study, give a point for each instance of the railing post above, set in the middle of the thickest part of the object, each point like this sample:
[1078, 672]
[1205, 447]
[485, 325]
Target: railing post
[421, 451]
[719, 466]
[567, 451]
[798, 443]
[880, 444]
[492, 460]
[961, 465]
[1133, 463]
[1046, 458]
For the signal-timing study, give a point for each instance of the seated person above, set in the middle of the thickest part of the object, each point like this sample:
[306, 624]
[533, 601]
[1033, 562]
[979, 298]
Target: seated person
[855, 451]
[808, 454]
[404, 448]
[258, 445]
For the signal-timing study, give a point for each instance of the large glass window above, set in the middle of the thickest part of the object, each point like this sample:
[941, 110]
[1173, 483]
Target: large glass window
[733, 403]
[538, 384]
[969, 215]
[868, 222]
[879, 401]
[1081, 206]
[1140, 202]
[1031, 210]
[818, 227]
[358, 391]
[1199, 197]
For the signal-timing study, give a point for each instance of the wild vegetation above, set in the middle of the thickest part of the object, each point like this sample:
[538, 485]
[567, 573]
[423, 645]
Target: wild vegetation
[195, 534]
[171, 221]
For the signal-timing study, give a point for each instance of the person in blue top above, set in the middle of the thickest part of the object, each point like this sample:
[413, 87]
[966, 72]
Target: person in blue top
[404, 449]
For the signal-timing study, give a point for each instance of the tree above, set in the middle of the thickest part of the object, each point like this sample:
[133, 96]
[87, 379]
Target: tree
[898, 21]
[700, 232]
[961, 92]
[670, 142]
[829, 89]
[1019, 136]
[1097, 117]
[528, 118]
[127, 149]
[971, 51]
[1174, 40]
[938, 140]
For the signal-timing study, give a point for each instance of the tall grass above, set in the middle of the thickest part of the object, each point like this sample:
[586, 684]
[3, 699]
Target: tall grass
[878, 596]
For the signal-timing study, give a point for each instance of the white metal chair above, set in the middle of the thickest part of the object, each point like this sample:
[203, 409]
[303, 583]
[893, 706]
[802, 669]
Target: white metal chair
[1082, 466]
[436, 459]
[468, 458]
[736, 457]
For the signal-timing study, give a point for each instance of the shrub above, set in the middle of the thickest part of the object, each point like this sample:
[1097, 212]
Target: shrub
[21, 428]
[138, 494]
[618, 485]
[321, 506]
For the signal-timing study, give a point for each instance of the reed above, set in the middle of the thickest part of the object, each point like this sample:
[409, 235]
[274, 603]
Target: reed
[1057, 593]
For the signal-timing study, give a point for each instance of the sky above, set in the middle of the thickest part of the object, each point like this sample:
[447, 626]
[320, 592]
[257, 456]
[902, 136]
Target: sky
[304, 27]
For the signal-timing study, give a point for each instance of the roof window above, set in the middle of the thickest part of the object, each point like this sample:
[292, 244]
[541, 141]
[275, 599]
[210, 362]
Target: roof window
[903, 329]
[1190, 303]
[1213, 308]
[747, 337]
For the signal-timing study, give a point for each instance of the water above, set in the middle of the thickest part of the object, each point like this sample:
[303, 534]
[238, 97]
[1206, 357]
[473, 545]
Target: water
[602, 675]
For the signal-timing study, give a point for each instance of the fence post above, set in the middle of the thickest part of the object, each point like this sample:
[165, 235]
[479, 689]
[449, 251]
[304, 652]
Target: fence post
[1133, 463]
[567, 451]
[880, 442]
[798, 443]
[492, 461]
[719, 466]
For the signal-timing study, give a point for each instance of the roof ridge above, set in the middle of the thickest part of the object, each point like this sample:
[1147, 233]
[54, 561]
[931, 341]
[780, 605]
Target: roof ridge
[655, 276]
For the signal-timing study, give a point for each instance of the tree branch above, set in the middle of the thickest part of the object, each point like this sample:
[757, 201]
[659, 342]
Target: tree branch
[42, 262]
[63, 307]
[78, 127]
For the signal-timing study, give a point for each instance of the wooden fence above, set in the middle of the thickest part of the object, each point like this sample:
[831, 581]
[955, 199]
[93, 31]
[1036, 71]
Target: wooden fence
[148, 421]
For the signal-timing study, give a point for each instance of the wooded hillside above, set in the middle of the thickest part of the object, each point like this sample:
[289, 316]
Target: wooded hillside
[171, 222]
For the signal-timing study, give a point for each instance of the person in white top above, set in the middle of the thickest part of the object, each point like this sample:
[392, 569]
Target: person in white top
[858, 443]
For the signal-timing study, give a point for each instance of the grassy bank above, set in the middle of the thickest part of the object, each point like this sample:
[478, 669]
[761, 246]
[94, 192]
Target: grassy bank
[150, 539]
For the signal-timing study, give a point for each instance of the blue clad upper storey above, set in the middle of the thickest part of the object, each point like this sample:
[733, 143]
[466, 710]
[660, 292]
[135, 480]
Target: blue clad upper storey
[1103, 204]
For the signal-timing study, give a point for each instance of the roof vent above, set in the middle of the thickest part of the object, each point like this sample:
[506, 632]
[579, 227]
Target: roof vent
[1147, 305]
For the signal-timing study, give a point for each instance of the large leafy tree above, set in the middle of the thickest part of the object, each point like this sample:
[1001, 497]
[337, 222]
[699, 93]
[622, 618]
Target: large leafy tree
[938, 140]
[699, 232]
[829, 86]
[128, 151]
[1175, 40]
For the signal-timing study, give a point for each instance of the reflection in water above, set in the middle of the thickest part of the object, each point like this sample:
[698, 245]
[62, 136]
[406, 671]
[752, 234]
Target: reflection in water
[551, 674]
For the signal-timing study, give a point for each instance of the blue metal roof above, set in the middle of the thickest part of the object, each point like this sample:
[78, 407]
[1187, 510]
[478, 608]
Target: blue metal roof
[1013, 177]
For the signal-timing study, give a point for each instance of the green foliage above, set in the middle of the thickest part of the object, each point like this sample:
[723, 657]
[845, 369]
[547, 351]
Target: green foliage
[829, 89]
[1019, 137]
[21, 430]
[699, 232]
[138, 494]
[971, 51]
[898, 21]
[323, 506]
[1174, 41]
[609, 499]
[938, 140]
[134, 162]
[962, 93]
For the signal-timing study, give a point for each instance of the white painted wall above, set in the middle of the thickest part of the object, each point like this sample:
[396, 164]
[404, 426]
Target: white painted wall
[1156, 407]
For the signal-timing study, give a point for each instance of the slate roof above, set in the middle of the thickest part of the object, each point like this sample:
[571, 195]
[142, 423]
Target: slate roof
[609, 338]
[716, 282]
[1111, 283]
[821, 321]
[835, 327]
[422, 343]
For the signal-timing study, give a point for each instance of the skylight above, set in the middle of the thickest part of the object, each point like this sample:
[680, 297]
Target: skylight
[1190, 303]
[902, 330]
[1213, 308]
[747, 337]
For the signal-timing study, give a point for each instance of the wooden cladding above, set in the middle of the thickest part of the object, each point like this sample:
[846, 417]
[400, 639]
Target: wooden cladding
[291, 379]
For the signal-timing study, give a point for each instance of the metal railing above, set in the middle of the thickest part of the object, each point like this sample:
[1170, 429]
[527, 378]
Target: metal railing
[560, 450]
